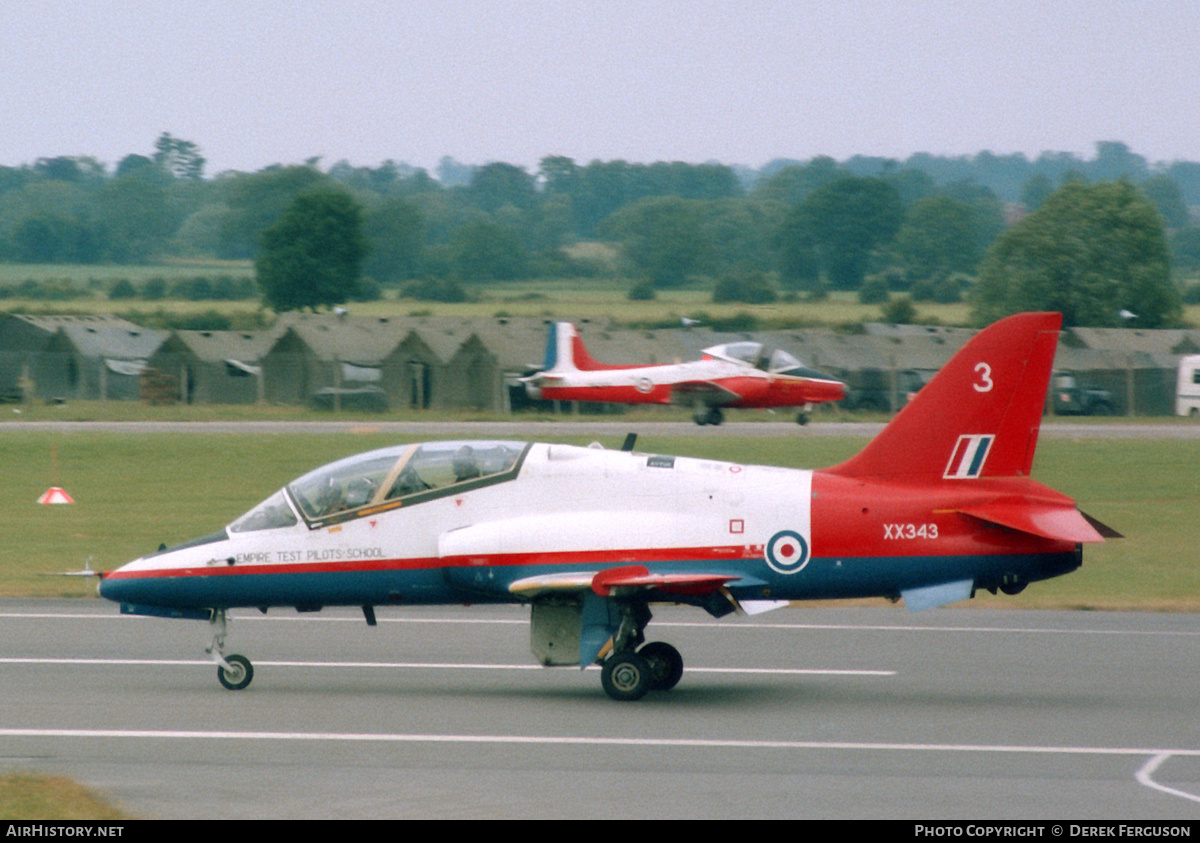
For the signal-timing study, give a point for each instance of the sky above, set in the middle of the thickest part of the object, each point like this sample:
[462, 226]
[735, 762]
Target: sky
[261, 82]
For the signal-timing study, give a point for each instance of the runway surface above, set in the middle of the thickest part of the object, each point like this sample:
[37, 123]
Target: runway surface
[440, 712]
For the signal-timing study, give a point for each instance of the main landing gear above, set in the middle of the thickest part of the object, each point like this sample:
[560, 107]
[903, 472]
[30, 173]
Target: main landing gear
[708, 415]
[233, 671]
[632, 670]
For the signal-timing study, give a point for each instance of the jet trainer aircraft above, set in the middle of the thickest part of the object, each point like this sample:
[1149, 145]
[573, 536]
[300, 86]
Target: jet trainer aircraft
[737, 374]
[938, 505]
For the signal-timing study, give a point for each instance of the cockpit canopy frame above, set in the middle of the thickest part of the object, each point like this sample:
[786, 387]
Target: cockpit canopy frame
[385, 479]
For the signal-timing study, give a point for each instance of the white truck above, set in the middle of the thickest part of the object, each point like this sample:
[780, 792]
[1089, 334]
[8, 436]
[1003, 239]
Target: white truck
[1187, 387]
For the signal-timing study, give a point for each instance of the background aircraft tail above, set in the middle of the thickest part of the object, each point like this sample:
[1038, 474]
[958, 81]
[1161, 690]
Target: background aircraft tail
[978, 417]
[565, 351]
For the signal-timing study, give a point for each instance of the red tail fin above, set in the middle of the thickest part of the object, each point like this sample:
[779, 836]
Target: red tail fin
[978, 417]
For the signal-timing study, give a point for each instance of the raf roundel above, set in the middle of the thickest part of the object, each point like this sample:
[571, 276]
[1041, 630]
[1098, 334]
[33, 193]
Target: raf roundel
[787, 552]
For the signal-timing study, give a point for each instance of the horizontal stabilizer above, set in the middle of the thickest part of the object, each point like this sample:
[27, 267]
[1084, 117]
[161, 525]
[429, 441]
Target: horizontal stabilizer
[1102, 528]
[1063, 523]
[930, 597]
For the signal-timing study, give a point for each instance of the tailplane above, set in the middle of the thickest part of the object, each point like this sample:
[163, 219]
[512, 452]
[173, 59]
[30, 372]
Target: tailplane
[978, 417]
[565, 352]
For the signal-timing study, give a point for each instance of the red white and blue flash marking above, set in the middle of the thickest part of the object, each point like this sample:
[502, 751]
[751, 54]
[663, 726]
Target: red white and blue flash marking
[969, 455]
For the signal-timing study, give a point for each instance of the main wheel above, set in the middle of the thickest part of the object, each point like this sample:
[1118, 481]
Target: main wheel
[625, 676]
[715, 416]
[666, 665]
[238, 674]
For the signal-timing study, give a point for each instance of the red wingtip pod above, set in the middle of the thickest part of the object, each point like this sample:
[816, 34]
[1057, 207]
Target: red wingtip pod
[978, 417]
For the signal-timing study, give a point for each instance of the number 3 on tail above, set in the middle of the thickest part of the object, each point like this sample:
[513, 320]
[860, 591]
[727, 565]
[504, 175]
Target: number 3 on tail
[985, 378]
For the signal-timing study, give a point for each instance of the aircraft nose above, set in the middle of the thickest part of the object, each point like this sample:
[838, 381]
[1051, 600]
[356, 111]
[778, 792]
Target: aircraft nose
[118, 588]
[828, 388]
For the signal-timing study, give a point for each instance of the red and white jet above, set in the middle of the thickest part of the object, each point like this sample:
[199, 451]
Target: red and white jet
[938, 505]
[738, 374]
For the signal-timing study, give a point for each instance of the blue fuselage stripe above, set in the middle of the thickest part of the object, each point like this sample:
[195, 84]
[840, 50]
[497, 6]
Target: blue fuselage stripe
[820, 579]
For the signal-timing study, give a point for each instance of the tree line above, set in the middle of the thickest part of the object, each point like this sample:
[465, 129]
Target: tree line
[928, 226]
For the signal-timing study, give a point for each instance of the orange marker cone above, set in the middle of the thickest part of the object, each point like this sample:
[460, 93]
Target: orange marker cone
[55, 495]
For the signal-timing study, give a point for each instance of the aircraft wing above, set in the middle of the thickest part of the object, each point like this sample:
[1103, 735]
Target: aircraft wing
[612, 581]
[711, 393]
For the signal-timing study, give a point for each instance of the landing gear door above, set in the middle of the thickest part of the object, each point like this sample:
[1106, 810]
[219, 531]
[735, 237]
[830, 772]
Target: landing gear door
[554, 631]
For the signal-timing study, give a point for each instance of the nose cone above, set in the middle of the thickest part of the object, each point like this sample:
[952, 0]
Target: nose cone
[830, 390]
[820, 386]
[127, 585]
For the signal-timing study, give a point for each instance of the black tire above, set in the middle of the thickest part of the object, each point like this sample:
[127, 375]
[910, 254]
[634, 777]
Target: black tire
[666, 665]
[625, 676]
[715, 416]
[238, 674]
[802, 418]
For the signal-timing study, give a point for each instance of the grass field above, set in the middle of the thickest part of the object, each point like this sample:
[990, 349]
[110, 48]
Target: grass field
[134, 492]
[568, 298]
[34, 796]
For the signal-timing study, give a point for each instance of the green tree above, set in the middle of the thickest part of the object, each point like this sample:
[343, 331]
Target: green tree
[257, 200]
[937, 238]
[312, 257]
[180, 158]
[665, 238]
[496, 185]
[134, 213]
[485, 250]
[793, 183]
[845, 222]
[1036, 189]
[1164, 193]
[394, 231]
[1089, 252]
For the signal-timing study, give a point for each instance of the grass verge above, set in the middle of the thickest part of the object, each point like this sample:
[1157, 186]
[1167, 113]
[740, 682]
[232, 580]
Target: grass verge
[33, 796]
[134, 492]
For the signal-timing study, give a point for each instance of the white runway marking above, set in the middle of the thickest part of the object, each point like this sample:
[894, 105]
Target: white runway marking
[1150, 767]
[1143, 776]
[428, 666]
[709, 624]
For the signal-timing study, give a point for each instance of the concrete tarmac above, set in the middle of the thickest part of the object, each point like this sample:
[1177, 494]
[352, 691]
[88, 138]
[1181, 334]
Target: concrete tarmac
[441, 712]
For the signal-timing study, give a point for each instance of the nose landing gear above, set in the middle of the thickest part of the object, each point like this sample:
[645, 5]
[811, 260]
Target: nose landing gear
[233, 671]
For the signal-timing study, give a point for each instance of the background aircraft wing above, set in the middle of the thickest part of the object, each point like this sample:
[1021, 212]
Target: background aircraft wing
[712, 394]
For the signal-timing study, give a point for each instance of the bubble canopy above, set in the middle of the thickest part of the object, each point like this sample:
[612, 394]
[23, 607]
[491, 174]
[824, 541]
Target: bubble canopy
[379, 480]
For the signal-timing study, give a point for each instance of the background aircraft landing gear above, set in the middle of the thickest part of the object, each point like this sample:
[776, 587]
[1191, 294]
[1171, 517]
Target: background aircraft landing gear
[234, 671]
[709, 415]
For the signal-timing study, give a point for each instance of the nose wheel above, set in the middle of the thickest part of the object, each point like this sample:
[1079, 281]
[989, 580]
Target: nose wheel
[236, 673]
[233, 671]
